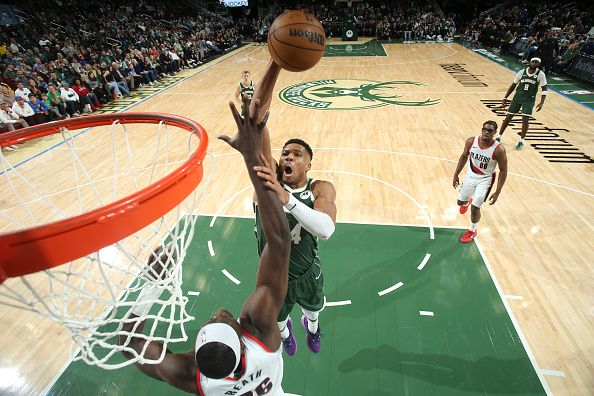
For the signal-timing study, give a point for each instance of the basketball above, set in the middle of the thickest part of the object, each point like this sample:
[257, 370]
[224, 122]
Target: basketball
[296, 40]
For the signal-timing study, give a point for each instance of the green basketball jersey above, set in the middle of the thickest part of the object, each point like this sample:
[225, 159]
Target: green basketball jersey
[304, 245]
[528, 86]
[249, 90]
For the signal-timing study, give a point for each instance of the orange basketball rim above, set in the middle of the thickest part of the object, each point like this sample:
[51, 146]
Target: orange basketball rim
[49, 245]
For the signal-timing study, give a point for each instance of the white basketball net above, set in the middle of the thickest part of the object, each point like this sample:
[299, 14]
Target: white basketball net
[94, 295]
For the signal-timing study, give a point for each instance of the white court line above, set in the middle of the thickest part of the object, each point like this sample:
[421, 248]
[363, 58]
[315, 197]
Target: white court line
[210, 249]
[418, 205]
[390, 289]
[426, 313]
[422, 265]
[231, 277]
[552, 373]
[429, 157]
[193, 293]
[204, 214]
[221, 206]
[544, 383]
[337, 303]
[510, 297]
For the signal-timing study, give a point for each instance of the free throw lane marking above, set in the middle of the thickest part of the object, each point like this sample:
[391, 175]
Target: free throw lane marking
[337, 303]
[426, 313]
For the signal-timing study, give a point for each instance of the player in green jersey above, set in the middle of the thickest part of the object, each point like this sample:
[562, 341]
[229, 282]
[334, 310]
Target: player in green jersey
[310, 209]
[245, 87]
[527, 82]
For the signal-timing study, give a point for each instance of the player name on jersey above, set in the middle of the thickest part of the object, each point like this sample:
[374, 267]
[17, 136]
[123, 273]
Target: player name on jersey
[246, 381]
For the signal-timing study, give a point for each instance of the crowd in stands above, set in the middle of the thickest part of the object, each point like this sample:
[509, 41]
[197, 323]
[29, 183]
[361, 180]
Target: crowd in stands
[75, 57]
[386, 20]
[553, 31]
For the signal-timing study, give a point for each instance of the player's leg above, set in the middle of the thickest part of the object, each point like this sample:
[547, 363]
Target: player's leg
[513, 110]
[285, 325]
[482, 190]
[310, 296]
[465, 192]
[526, 113]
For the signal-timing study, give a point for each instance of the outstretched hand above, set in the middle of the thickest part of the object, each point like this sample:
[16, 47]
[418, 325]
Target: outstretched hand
[248, 140]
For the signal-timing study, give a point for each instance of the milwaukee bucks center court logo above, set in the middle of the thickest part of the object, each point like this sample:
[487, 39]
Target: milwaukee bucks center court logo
[350, 94]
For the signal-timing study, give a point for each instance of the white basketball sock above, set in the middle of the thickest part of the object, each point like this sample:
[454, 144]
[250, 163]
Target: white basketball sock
[312, 320]
[473, 226]
[284, 329]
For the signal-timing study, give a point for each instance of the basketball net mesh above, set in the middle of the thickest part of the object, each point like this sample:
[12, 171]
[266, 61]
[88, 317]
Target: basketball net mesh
[93, 296]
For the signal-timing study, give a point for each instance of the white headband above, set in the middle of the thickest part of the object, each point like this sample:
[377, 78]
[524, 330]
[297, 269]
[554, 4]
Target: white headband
[223, 333]
[536, 59]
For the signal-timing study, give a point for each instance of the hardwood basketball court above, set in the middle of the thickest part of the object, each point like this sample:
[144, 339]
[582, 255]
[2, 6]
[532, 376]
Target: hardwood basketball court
[387, 131]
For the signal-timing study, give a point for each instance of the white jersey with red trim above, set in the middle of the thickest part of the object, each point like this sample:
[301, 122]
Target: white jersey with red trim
[481, 161]
[263, 373]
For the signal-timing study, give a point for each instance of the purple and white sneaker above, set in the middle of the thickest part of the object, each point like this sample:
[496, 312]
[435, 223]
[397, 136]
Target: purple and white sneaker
[290, 343]
[313, 340]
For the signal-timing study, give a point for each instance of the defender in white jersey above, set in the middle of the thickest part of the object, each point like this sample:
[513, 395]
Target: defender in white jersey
[483, 154]
[262, 372]
[231, 356]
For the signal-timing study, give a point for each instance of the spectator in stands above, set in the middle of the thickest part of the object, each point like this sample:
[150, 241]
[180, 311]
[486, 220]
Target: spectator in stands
[33, 88]
[10, 72]
[54, 113]
[10, 120]
[87, 99]
[114, 87]
[146, 76]
[40, 109]
[95, 86]
[125, 82]
[70, 99]
[548, 50]
[588, 48]
[6, 96]
[41, 84]
[56, 101]
[22, 109]
[21, 90]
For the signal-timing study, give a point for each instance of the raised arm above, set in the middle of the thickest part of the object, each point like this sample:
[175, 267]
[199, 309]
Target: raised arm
[263, 93]
[177, 370]
[261, 308]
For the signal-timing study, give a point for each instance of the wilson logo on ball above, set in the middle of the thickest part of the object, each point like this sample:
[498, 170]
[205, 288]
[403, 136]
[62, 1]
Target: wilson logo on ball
[311, 36]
